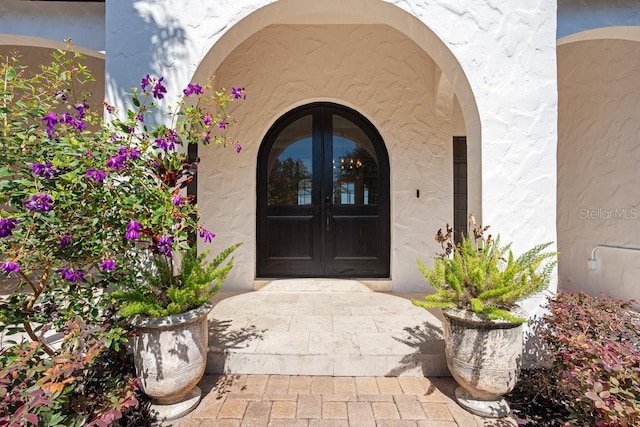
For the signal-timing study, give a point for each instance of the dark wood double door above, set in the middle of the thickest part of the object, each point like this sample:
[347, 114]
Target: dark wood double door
[323, 196]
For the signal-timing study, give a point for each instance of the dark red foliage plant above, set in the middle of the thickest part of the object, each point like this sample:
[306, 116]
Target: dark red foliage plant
[594, 360]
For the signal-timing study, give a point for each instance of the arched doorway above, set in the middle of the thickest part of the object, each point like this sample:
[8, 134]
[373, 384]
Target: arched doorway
[284, 61]
[323, 196]
[597, 158]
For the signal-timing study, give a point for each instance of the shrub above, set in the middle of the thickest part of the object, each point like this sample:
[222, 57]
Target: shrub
[78, 195]
[89, 382]
[594, 370]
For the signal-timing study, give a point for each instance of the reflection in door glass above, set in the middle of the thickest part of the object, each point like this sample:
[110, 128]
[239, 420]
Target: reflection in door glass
[290, 166]
[355, 169]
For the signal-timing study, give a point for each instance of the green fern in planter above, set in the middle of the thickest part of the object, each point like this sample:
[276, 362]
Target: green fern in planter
[161, 293]
[479, 275]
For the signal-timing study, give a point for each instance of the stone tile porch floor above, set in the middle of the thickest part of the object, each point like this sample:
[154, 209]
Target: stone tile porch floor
[277, 398]
[321, 401]
[324, 327]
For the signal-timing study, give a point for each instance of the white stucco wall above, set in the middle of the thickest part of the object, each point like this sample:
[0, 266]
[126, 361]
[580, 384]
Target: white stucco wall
[83, 22]
[498, 56]
[598, 157]
[372, 68]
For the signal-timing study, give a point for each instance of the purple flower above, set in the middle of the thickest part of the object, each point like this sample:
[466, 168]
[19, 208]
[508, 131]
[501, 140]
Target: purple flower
[159, 90]
[10, 267]
[80, 109]
[134, 153]
[108, 265]
[238, 92]
[207, 119]
[206, 235]
[223, 124]
[238, 148]
[71, 275]
[193, 89]
[43, 169]
[207, 137]
[140, 117]
[6, 226]
[116, 162]
[78, 125]
[128, 152]
[133, 230]
[50, 120]
[177, 200]
[165, 245]
[64, 241]
[172, 137]
[163, 144]
[41, 203]
[146, 80]
[95, 174]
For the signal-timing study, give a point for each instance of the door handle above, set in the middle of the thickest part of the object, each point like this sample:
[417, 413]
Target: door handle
[327, 213]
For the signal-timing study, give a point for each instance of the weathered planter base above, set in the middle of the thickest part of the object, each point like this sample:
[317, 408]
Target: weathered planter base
[170, 354]
[178, 409]
[484, 358]
[484, 408]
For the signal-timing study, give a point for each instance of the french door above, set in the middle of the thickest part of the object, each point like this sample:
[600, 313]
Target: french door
[323, 196]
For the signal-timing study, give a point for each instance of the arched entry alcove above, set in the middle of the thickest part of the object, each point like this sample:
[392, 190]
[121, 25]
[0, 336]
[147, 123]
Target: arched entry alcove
[323, 196]
[372, 57]
[598, 157]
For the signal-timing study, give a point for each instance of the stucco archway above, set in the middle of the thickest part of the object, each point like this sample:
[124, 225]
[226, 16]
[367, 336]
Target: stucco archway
[18, 40]
[309, 47]
[452, 79]
[598, 154]
[36, 51]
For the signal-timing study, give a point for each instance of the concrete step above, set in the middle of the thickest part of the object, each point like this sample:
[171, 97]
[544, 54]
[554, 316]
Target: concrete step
[324, 327]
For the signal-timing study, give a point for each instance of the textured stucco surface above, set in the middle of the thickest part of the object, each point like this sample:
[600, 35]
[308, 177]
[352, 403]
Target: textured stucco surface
[81, 21]
[598, 157]
[372, 68]
[33, 57]
[498, 56]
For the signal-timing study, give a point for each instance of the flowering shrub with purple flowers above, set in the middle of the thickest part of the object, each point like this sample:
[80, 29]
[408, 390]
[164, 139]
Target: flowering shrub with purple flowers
[84, 199]
[95, 211]
[152, 169]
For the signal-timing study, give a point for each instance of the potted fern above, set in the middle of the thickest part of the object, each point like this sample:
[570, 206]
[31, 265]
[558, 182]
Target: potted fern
[168, 312]
[478, 283]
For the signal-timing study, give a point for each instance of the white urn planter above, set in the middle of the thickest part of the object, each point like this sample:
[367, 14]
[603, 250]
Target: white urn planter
[170, 355]
[484, 357]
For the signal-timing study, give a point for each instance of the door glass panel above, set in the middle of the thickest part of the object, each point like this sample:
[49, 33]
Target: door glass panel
[290, 166]
[355, 169]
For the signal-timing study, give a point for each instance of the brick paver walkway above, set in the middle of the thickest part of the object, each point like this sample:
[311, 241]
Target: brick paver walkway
[316, 401]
